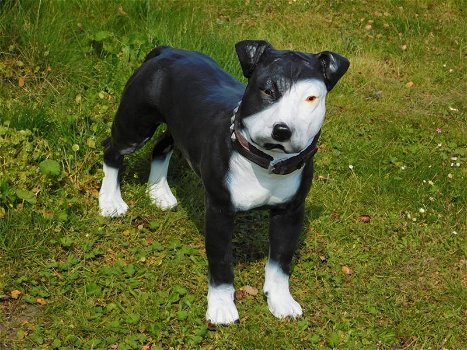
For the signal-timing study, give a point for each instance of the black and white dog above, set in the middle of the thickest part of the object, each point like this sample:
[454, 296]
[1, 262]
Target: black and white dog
[251, 146]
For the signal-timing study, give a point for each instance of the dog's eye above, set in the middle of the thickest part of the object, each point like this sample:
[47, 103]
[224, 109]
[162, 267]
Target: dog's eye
[311, 99]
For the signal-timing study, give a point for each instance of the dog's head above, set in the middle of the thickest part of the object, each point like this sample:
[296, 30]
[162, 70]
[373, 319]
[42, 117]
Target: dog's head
[284, 103]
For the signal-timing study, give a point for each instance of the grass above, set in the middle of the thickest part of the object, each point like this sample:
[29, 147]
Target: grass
[393, 147]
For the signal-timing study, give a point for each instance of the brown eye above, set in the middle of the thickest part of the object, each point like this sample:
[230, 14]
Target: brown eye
[311, 99]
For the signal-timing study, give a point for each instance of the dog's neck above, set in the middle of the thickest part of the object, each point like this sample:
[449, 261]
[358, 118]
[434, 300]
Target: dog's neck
[264, 160]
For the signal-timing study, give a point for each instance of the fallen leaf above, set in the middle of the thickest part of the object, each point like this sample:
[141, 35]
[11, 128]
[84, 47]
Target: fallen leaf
[245, 291]
[240, 294]
[347, 270]
[21, 82]
[335, 215]
[250, 290]
[410, 84]
[211, 327]
[41, 301]
[323, 258]
[147, 346]
[365, 218]
[15, 293]
[323, 178]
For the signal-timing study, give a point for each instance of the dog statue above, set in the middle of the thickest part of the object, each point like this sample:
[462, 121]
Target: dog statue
[252, 146]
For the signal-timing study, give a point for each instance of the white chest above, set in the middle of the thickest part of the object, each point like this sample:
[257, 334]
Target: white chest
[251, 186]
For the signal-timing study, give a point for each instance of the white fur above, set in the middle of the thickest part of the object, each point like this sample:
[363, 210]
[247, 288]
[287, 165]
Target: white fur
[303, 118]
[276, 287]
[251, 186]
[111, 203]
[221, 306]
[158, 189]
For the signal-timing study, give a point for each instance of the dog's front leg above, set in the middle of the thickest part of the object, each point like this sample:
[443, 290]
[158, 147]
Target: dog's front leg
[219, 221]
[284, 232]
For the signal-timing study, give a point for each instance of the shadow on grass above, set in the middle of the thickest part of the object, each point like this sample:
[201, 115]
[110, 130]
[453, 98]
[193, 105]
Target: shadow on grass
[250, 239]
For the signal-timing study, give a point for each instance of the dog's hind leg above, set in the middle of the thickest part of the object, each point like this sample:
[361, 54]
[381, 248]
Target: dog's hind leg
[158, 189]
[125, 139]
[137, 119]
[111, 203]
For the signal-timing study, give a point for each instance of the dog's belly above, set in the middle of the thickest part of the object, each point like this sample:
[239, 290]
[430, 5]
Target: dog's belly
[251, 186]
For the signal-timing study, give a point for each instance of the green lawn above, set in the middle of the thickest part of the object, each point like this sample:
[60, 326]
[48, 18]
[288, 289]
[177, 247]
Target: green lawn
[393, 148]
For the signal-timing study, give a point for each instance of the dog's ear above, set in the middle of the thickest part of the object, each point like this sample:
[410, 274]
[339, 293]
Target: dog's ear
[249, 53]
[334, 67]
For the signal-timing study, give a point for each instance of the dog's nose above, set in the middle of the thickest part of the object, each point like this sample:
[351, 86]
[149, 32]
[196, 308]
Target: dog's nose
[281, 132]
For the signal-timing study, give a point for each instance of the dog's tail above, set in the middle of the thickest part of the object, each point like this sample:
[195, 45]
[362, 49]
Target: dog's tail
[155, 52]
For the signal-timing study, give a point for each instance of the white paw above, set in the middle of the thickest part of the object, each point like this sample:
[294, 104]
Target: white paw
[283, 305]
[112, 206]
[161, 196]
[111, 203]
[221, 306]
[276, 288]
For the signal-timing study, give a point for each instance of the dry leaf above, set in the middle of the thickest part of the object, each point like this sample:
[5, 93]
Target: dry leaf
[240, 294]
[347, 270]
[323, 178]
[211, 326]
[409, 84]
[245, 291]
[335, 215]
[41, 301]
[365, 218]
[147, 347]
[15, 294]
[21, 82]
[250, 290]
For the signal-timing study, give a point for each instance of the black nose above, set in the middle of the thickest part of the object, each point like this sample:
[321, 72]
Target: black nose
[281, 132]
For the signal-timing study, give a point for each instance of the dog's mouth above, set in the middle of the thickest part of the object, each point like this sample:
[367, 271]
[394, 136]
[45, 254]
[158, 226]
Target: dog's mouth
[274, 146]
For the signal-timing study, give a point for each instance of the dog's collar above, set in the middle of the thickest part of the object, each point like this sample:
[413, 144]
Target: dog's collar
[250, 152]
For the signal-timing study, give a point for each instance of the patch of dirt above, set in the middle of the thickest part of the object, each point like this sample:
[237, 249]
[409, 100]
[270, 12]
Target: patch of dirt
[14, 315]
